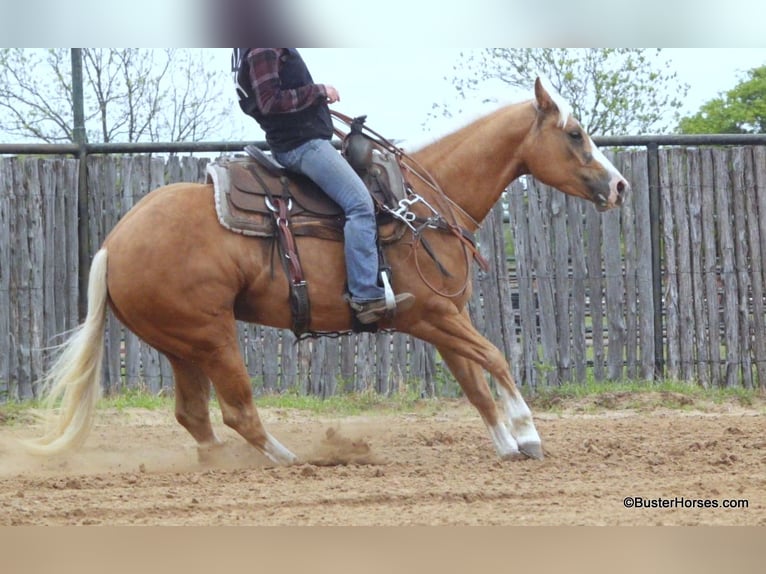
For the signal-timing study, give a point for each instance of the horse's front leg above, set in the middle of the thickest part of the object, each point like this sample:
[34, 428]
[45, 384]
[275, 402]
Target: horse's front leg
[470, 376]
[520, 419]
[466, 353]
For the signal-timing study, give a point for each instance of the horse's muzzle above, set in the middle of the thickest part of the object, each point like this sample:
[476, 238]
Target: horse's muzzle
[618, 187]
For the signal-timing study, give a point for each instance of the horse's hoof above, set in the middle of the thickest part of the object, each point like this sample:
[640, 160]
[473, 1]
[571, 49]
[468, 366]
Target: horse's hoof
[532, 450]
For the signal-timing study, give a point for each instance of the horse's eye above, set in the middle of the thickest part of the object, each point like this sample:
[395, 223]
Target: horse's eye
[576, 135]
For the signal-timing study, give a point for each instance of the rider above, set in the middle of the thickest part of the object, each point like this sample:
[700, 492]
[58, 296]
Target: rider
[276, 88]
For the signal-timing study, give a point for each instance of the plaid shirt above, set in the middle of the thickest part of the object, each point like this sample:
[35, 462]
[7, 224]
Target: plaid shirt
[270, 97]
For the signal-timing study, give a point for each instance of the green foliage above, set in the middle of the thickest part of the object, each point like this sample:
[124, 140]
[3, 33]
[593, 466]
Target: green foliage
[343, 404]
[137, 398]
[741, 110]
[641, 394]
[16, 413]
[588, 395]
[612, 91]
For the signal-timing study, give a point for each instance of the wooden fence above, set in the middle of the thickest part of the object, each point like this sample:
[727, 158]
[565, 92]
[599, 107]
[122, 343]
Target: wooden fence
[578, 304]
[714, 231]
[585, 279]
[39, 293]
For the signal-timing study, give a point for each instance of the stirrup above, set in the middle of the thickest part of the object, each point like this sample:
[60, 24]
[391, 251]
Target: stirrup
[373, 311]
[385, 278]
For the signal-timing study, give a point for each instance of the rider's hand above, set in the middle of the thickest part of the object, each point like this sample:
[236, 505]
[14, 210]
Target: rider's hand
[332, 94]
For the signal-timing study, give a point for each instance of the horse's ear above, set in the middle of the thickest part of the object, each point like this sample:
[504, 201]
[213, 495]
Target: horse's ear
[544, 101]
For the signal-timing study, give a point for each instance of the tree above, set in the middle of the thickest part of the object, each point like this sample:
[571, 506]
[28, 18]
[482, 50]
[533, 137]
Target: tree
[131, 95]
[612, 91]
[741, 110]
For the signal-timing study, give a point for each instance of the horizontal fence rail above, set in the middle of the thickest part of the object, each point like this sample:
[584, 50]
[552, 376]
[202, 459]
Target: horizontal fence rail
[670, 285]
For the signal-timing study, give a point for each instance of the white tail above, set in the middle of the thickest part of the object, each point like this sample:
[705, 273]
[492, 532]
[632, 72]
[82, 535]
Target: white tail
[74, 377]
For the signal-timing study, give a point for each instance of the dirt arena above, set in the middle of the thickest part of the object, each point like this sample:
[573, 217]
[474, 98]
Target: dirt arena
[432, 466]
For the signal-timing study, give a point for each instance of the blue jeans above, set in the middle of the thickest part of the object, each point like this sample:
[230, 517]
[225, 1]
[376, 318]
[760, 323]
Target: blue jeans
[320, 161]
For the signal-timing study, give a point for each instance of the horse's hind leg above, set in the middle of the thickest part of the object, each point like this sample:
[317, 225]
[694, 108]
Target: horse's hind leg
[226, 370]
[192, 394]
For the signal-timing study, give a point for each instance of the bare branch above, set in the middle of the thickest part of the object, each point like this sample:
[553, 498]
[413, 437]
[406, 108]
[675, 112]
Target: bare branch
[130, 94]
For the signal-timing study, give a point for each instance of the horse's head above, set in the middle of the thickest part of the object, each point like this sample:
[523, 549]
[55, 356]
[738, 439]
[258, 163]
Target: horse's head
[561, 154]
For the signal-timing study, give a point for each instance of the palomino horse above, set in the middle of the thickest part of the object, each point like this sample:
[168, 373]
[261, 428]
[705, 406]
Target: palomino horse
[175, 277]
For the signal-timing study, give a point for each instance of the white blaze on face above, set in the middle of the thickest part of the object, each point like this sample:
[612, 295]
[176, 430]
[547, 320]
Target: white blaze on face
[617, 182]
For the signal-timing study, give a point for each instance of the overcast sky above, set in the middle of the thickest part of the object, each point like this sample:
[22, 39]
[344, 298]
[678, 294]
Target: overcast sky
[396, 87]
[397, 83]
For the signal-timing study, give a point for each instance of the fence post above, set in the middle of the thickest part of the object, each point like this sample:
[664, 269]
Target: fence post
[80, 138]
[83, 244]
[653, 166]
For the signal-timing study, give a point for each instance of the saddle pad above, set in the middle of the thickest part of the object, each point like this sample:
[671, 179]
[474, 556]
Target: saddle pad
[247, 223]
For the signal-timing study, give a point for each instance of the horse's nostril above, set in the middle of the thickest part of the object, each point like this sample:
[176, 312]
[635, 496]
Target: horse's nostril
[621, 186]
